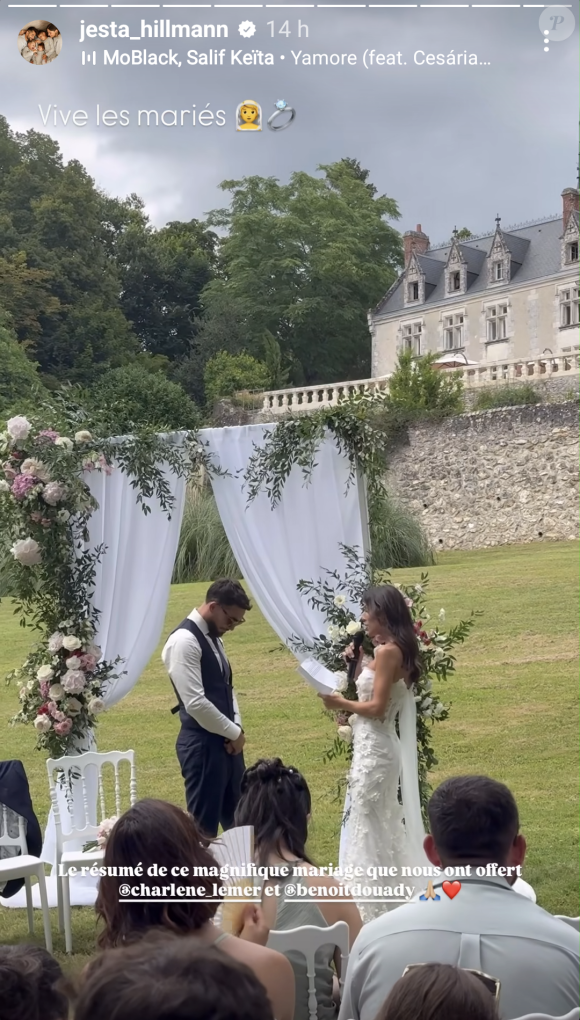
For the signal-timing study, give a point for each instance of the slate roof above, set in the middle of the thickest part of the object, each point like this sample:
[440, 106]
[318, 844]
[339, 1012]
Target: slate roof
[535, 251]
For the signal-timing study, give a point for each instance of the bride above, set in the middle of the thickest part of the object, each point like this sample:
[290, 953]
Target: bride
[379, 830]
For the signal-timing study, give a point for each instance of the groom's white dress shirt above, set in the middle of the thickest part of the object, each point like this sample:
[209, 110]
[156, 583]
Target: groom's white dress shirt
[182, 659]
[486, 927]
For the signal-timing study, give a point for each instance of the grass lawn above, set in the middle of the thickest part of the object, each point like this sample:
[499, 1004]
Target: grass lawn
[514, 713]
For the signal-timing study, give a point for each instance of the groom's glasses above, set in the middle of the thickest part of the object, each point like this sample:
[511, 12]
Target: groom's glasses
[231, 619]
[492, 984]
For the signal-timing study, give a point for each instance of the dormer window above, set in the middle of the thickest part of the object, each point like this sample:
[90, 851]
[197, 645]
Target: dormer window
[498, 271]
[413, 291]
[455, 281]
[572, 252]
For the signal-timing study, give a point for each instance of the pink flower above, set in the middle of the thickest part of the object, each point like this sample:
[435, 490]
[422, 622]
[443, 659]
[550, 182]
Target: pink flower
[73, 681]
[36, 517]
[46, 436]
[54, 711]
[104, 466]
[62, 728]
[44, 688]
[54, 493]
[22, 485]
[88, 662]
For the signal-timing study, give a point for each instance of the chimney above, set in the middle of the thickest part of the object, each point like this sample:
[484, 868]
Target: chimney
[416, 240]
[569, 204]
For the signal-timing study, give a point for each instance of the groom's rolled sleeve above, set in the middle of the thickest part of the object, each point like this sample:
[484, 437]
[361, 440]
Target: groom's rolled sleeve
[184, 668]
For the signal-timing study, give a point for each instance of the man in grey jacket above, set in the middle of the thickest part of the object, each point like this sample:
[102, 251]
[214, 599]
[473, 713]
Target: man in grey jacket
[485, 926]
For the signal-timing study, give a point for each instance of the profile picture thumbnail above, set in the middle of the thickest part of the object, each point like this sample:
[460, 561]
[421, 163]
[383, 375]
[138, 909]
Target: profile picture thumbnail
[39, 42]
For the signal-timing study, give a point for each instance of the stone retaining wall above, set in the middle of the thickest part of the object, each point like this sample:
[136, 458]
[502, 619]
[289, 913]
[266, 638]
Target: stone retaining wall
[492, 477]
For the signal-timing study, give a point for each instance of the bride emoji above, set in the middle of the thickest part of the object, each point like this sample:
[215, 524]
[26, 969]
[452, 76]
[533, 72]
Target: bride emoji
[249, 116]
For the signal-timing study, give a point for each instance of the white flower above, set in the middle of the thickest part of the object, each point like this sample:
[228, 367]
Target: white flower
[4, 487]
[427, 713]
[341, 681]
[54, 493]
[409, 603]
[56, 692]
[419, 589]
[438, 654]
[73, 663]
[442, 615]
[333, 632]
[96, 706]
[42, 723]
[71, 643]
[23, 694]
[73, 681]
[427, 687]
[27, 552]
[45, 673]
[31, 685]
[73, 706]
[83, 436]
[35, 468]
[426, 703]
[104, 830]
[339, 600]
[63, 516]
[55, 642]
[65, 442]
[353, 627]
[438, 710]
[18, 427]
[345, 733]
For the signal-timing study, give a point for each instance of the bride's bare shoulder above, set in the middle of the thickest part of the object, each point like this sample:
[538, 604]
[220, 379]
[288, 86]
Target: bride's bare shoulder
[389, 652]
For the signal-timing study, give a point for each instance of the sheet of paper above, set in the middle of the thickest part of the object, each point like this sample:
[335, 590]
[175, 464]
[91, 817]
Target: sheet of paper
[318, 676]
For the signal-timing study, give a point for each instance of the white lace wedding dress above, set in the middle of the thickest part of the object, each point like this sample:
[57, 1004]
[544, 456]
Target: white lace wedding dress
[377, 829]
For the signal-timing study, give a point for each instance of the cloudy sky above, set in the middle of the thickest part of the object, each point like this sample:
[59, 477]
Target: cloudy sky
[453, 145]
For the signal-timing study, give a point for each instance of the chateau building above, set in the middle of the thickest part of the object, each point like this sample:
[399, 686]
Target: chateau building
[510, 294]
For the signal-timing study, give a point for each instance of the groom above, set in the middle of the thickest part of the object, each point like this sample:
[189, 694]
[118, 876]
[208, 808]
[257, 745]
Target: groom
[210, 742]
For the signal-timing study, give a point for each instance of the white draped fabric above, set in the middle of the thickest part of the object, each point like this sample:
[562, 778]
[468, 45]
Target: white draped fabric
[298, 539]
[131, 590]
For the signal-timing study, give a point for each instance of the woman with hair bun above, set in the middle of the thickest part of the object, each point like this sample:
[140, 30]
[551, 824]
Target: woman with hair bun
[379, 830]
[276, 801]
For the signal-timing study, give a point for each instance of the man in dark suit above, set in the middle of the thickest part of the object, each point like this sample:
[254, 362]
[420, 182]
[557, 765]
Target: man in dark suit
[211, 739]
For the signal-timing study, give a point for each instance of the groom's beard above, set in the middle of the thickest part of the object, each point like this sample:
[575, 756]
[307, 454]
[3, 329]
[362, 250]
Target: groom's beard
[213, 630]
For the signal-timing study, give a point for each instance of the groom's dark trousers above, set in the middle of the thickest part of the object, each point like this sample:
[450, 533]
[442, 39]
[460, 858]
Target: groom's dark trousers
[212, 776]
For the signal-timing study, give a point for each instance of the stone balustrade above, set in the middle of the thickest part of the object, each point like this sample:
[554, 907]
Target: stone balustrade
[308, 398]
[497, 373]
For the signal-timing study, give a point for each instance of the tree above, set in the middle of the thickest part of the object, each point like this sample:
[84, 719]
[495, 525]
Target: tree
[222, 327]
[227, 374]
[163, 273]
[305, 261]
[54, 232]
[417, 388]
[133, 397]
[464, 234]
[20, 385]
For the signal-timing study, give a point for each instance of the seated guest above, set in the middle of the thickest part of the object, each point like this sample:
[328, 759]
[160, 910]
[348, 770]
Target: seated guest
[169, 978]
[276, 801]
[29, 977]
[439, 992]
[486, 927]
[155, 833]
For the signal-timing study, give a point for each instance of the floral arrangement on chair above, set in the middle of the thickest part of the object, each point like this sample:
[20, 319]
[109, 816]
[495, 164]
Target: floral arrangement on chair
[103, 834]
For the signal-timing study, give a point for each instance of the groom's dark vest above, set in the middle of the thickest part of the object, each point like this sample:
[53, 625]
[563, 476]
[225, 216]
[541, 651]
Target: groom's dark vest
[217, 686]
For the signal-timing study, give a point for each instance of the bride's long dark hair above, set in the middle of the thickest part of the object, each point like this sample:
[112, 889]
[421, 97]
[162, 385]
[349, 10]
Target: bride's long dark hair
[388, 605]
